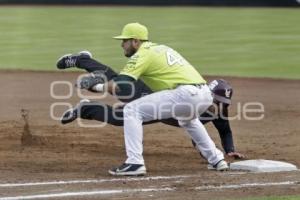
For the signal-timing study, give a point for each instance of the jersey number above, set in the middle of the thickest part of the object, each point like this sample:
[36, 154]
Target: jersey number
[173, 58]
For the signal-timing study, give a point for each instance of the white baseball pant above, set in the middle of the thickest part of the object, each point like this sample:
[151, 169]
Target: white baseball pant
[185, 103]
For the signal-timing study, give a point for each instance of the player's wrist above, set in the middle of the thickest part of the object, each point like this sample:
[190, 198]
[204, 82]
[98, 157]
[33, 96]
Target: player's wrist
[98, 87]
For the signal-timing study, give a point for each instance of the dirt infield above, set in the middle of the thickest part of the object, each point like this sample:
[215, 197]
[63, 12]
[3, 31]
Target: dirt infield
[53, 152]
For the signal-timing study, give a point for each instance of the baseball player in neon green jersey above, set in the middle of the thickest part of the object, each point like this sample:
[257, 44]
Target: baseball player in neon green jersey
[161, 67]
[180, 92]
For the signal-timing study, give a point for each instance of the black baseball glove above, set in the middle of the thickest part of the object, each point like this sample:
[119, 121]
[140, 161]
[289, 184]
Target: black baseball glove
[92, 79]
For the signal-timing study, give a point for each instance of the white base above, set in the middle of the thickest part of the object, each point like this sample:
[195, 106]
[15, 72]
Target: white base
[262, 166]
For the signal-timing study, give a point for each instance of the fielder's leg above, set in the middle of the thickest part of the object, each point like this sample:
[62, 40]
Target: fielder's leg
[203, 142]
[163, 105]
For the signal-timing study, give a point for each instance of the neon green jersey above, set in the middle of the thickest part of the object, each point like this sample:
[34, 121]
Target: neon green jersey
[161, 67]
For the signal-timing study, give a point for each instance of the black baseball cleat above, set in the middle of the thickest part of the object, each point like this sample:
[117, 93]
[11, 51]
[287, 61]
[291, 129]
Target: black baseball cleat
[128, 170]
[72, 114]
[69, 116]
[70, 60]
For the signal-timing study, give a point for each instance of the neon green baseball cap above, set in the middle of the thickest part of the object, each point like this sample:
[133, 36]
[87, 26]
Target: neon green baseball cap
[133, 31]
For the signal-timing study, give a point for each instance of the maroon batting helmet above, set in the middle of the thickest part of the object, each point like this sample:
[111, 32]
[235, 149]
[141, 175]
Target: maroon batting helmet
[221, 90]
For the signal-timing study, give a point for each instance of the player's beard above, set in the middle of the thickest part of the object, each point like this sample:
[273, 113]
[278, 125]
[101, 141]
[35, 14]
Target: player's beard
[130, 51]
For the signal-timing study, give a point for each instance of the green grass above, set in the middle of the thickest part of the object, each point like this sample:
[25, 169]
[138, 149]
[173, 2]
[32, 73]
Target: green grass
[253, 42]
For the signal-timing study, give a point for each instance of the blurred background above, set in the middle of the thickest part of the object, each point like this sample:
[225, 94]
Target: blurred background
[162, 2]
[221, 38]
[257, 38]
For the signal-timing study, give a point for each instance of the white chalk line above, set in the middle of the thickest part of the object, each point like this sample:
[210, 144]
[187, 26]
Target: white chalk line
[24, 184]
[94, 181]
[86, 193]
[3, 185]
[167, 189]
[246, 185]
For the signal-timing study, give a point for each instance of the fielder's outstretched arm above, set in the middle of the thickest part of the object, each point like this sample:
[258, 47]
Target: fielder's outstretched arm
[138, 90]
